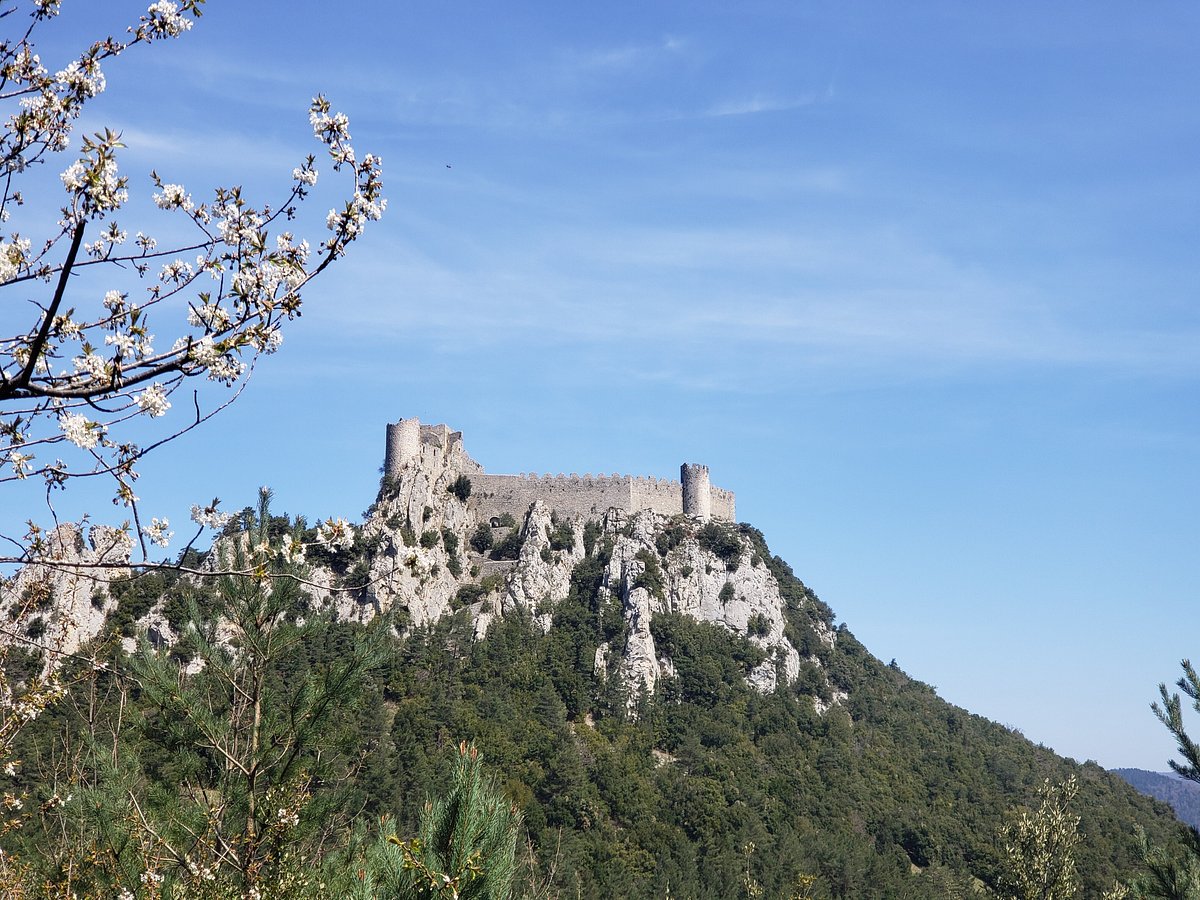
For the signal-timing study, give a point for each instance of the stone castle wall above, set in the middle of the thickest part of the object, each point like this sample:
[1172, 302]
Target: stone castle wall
[572, 497]
[724, 505]
[659, 494]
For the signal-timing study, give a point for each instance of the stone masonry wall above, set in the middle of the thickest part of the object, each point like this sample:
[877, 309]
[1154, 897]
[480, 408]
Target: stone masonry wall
[579, 498]
[570, 496]
[723, 504]
[659, 494]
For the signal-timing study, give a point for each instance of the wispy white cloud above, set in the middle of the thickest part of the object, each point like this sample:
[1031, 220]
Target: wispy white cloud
[626, 56]
[760, 103]
[896, 307]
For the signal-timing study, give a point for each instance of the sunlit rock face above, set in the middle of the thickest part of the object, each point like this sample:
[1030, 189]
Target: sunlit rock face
[441, 537]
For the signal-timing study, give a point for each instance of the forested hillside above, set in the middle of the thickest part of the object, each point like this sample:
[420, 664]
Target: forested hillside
[853, 780]
[1181, 795]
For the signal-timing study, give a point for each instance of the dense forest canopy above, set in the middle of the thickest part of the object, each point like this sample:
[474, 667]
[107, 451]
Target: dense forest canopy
[701, 790]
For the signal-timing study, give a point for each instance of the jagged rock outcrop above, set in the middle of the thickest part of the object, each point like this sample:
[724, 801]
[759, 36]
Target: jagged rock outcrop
[63, 602]
[427, 548]
[414, 539]
[738, 593]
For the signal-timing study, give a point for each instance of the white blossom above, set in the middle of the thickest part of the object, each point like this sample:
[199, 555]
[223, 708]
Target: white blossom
[305, 175]
[173, 196]
[209, 316]
[19, 462]
[157, 532]
[72, 177]
[92, 365]
[292, 549]
[99, 184]
[78, 430]
[153, 401]
[12, 256]
[336, 534]
[210, 517]
[178, 270]
[78, 79]
[288, 818]
[132, 345]
[163, 20]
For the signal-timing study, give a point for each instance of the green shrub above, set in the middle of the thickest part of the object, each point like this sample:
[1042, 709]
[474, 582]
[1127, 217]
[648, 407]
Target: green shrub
[591, 533]
[466, 595]
[454, 565]
[721, 542]
[561, 535]
[509, 546]
[450, 541]
[429, 539]
[359, 577]
[669, 538]
[460, 487]
[507, 521]
[651, 577]
[481, 538]
[726, 593]
[759, 625]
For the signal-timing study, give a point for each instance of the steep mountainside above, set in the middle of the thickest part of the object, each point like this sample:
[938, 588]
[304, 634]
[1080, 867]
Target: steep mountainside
[1181, 795]
[670, 707]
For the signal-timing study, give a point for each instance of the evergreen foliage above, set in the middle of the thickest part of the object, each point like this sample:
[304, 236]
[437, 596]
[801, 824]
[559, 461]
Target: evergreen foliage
[481, 538]
[1040, 847]
[509, 546]
[465, 848]
[460, 487]
[706, 790]
[720, 540]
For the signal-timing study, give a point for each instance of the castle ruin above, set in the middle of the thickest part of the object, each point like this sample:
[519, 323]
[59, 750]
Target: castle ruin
[572, 497]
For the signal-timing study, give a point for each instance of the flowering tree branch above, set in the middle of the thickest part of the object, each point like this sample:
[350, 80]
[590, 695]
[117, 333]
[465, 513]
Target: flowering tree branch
[86, 368]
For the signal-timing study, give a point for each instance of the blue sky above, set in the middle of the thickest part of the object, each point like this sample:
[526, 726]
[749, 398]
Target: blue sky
[918, 282]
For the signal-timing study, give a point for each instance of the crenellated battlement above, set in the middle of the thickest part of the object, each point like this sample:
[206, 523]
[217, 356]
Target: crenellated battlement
[574, 496]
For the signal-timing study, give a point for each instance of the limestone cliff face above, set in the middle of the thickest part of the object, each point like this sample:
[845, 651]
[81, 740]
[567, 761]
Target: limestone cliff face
[66, 600]
[737, 594]
[429, 547]
[655, 564]
[405, 538]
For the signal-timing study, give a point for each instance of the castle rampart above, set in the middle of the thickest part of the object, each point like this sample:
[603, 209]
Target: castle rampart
[403, 444]
[571, 496]
[697, 494]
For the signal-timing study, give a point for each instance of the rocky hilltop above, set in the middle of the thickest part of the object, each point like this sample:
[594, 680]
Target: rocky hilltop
[670, 707]
[433, 544]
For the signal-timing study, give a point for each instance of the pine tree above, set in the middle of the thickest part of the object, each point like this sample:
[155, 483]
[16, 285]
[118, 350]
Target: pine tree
[465, 848]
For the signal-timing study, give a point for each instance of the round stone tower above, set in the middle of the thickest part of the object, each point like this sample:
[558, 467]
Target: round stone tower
[697, 498]
[403, 444]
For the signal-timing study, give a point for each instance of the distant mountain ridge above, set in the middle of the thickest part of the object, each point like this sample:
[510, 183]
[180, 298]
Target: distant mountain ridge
[1181, 795]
